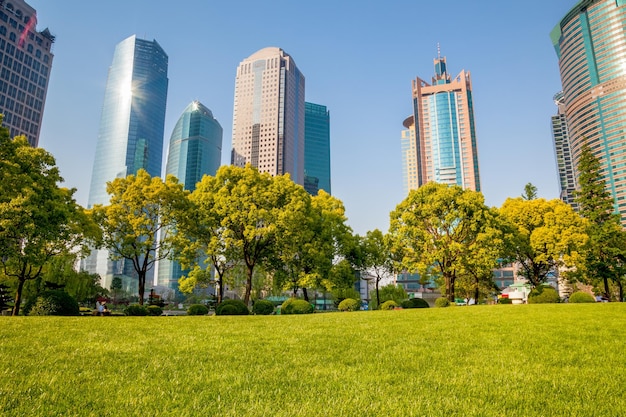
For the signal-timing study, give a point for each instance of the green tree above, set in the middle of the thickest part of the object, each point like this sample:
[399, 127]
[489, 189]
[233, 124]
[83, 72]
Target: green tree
[546, 235]
[606, 248]
[389, 292]
[80, 285]
[437, 229]
[38, 219]
[530, 192]
[140, 208]
[377, 257]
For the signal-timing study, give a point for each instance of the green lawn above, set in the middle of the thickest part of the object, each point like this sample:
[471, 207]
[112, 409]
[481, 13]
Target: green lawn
[529, 360]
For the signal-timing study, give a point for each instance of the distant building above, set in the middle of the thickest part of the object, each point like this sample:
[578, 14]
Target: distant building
[268, 115]
[316, 148]
[130, 137]
[195, 151]
[562, 150]
[25, 64]
[439, 143]
[590, 43]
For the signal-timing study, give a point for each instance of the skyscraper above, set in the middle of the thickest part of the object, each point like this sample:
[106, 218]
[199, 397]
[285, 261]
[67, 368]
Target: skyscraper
[131, 129]
[439, 143]
[564, 163]
[195, 150]
[268, 115]
[316, 148]
[25, 62]
[590, 43]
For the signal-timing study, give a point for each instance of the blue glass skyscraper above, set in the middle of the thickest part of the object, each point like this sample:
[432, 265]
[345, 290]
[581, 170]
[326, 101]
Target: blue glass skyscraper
[133, 116]
[131, 131]
[316, 148]
[195, 150]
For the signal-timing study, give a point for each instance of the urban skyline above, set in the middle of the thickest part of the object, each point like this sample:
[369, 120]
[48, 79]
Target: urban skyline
[365, 150]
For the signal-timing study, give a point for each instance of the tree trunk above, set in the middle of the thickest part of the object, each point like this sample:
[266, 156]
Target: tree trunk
[621, 289]
[142, 286]
[246, 297]
[377, 295]
[18, 297]
[607, 291]
[450, 286]
[306, 294]
[476, 292]
[220, 291]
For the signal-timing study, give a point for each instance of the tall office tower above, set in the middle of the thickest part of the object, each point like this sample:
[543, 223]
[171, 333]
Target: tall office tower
[316, 148]
[195, 150]
[439, 142]
[565, 167]
[25, 62]
[268, 116]
[131, 130]
[590, 43]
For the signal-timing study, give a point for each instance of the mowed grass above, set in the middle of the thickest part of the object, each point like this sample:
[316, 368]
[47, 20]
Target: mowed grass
[529, 360]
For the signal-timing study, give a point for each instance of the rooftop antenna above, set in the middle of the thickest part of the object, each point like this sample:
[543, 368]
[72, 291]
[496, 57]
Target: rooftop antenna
[438, 51]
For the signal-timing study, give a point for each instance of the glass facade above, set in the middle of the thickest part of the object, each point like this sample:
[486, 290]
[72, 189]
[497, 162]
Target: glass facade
[195, 151]
[316, 148]
[25, 64]
[130, 136]
[590, 42]
[439, 143]
[564, 162]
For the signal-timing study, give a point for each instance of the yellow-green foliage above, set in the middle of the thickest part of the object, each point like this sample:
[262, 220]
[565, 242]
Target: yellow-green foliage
[581, 297]
[349, 304]
[388, 305]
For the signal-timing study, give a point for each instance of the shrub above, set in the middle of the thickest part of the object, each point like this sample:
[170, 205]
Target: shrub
[232, 308]
[135, 310]
[349, 304]
[442, 302]
[263, 307]
[543, 294]
[197, 310]
[581, 297]
[52, 303]
[505, 301]
[154, 310]
[296, 306]
[388, 305]
[414, 303]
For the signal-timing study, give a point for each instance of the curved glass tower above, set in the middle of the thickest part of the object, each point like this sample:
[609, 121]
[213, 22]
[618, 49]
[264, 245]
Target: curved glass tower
[133, 116]
[590, 42]
[195, 150]
[130, 136]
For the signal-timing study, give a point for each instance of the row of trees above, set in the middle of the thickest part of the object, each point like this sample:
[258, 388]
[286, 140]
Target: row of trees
[241, 219]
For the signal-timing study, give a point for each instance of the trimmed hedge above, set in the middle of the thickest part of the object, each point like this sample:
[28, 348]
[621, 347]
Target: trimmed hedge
[442, 302]
[263, 307]
[349, 304]
[543, 294]
[154, 310]
[388, 305]
[197, 310]
[136, 310]
[232, 308]
[52, 303]
[296, 306]
[505, 301]
[414, 303]
[581, 297]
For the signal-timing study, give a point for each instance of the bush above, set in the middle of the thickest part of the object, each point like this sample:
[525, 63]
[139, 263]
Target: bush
[581, 297]
[263, 307]
[414, 303]
[349, 304]
[505, 301]
[296, 306]
[442, 302]
[197, 310]
[52, 303]
[154, 310]
[388, 305]
[136, 310]
[232, 308]
[543, 294]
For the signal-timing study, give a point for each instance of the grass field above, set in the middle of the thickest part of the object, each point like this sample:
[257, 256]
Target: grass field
[528, 360]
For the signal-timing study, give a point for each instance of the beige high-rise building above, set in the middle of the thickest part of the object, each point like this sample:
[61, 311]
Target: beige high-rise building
[439, 143]
[268, 115]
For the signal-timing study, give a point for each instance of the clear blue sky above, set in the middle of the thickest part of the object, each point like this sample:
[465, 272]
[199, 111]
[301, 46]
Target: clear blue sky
[358, 59]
